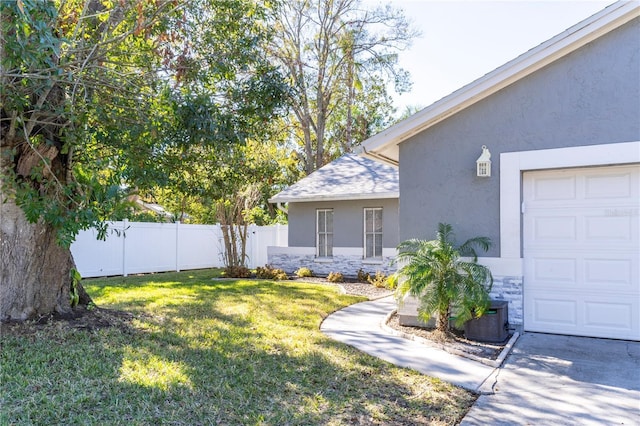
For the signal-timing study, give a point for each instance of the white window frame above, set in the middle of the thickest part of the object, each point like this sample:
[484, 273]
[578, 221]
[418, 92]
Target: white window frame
[373, 233]
[328, 249]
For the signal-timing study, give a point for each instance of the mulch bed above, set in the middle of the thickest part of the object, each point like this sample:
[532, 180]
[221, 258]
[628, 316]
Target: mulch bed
[455, 341]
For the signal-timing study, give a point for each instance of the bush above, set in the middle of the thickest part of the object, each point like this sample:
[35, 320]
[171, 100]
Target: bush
[446, 277]
[304, 272]
[335, 277]
[392, 281]
[270, 273]
[236, 272]
[379, 280]
[363, 276]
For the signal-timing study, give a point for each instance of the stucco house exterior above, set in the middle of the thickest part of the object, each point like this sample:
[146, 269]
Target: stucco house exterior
[562, 202]
[343, 217]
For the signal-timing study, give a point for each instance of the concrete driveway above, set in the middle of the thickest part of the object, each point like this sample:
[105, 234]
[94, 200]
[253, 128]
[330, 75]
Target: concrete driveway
[563, 380]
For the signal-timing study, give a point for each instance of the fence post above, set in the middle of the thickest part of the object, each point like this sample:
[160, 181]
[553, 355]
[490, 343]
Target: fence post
[124, 247]
[177, 246]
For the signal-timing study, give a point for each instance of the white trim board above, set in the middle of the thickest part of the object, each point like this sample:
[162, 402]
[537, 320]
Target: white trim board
[316, 198]
[337, 251]
[513, 164]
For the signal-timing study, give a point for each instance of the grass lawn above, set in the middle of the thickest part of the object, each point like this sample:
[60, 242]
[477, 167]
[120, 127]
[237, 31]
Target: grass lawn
[203, 352]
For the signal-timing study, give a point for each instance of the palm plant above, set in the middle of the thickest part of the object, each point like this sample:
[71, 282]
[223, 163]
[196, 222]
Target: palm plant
[444, 277]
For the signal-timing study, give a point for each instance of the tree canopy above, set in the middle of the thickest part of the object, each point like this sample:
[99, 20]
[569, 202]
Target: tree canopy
[99, 98]
[339, 59]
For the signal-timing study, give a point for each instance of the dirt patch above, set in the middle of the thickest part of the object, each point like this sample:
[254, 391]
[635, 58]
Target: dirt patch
[452, 343]
[82, 319]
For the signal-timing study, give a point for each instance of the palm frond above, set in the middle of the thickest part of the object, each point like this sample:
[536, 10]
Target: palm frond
[434, 272]
[468, 248]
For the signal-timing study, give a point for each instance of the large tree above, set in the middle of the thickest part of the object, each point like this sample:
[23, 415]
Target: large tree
[222, 109]
[88, 91]
[75, 84]
[336, 54]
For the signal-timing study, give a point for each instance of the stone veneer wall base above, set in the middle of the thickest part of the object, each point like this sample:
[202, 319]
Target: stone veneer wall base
[347, 265]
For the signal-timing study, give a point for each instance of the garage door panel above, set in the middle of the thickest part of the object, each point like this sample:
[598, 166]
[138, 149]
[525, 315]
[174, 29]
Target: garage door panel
[608, 186]
[554, 311]
[601, 315]
[554, 228]
[609, 273]
[581, 248]
[554, 188]
[617, 272]
[614, 316]
[609, 228]
[553, 271]
[596, 226]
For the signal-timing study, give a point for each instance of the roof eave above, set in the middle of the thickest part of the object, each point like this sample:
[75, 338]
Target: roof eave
[568, 41]
[377, 156]
[339, 197]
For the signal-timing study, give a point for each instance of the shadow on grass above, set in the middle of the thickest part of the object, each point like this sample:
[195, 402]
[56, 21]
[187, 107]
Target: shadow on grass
[245, 352]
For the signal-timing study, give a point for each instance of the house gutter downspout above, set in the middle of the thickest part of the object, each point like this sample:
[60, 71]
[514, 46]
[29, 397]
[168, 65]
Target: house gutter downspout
[282, 208]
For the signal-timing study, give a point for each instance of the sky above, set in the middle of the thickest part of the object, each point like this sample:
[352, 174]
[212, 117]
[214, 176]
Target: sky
[463, 40]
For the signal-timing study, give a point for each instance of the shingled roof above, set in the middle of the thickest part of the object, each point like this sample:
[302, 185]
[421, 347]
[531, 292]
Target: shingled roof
[349, 177]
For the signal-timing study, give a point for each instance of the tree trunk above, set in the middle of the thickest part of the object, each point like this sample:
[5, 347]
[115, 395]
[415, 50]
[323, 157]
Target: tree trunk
[309, 160]
[242, 230]
[320, 142]
[442, 320]
[34, 270]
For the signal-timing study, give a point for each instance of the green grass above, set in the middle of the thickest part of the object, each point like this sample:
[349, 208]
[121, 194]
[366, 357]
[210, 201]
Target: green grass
[203, 352]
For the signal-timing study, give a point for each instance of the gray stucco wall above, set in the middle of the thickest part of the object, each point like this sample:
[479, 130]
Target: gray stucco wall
[348, 227]
[589, 97]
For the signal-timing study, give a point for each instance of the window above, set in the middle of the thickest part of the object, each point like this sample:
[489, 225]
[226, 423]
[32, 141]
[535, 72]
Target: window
[325, 232]
[373, 232]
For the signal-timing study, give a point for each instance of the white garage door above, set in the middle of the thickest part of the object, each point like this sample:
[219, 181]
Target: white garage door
[581, 247]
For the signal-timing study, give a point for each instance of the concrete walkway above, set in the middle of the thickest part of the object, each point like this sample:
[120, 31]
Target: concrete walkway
[359, 326]
[547, 379]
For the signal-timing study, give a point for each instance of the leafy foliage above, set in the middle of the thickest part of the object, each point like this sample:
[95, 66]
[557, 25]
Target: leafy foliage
[392, 281]
[339, 59]
[363, 276]
[236, 272]
[268, 272]
[304, 272]
[219, 113]
[73, 293]
[187, 85]
[335, 277]
[64, 150]
[379, 280]
[437, 274]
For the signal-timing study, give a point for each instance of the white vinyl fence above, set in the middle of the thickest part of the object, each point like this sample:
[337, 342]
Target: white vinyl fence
[140, 247]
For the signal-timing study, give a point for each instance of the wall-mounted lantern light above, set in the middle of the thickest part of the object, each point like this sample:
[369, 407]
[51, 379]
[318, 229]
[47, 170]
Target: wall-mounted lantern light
[483, 163]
